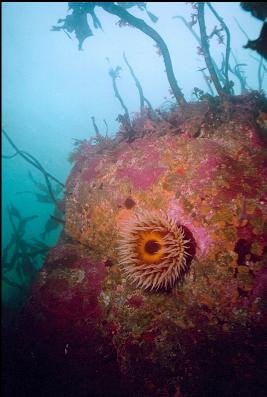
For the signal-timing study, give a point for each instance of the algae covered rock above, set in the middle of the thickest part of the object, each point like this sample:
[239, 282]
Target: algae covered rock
[136, 211]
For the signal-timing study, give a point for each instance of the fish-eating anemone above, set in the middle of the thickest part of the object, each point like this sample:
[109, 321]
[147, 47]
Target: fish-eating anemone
[154, 251]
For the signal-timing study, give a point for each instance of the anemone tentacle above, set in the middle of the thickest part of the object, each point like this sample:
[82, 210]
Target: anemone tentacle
[153, 250]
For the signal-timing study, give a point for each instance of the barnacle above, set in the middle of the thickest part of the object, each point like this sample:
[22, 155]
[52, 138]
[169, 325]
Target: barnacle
[154, 251]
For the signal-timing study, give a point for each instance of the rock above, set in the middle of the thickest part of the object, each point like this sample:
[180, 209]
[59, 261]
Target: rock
[102, 335]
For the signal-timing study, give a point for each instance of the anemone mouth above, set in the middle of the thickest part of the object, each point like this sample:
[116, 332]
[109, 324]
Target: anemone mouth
[154, 251]
[152, 247]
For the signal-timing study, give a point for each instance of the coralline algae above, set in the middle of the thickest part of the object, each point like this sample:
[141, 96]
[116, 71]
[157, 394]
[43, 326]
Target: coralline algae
[202, 337]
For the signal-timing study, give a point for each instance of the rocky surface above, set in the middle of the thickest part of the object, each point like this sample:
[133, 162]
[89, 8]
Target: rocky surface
[89, 331]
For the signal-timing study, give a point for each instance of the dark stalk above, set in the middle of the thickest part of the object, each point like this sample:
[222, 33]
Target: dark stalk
[260, 73]
[206, 52]
[13, 284]
[228, 48]
[113, 74]
[218, 72]
[143, 27]
[106, 135]
[207, 82]
[95, 126]
[242, 30]
[261, 70]
[143, 99]
[238, 74]
[137, 83]
[9, 157]
[55, 218]
[34, 162]
[46, 176]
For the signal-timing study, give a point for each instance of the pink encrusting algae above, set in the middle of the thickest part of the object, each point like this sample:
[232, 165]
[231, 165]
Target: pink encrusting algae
[201, 236]
[160, 269]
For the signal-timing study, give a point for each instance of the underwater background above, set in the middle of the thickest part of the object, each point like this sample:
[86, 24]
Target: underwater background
[60, 90]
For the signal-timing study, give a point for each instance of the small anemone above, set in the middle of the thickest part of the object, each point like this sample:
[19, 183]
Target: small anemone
[154, 251]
